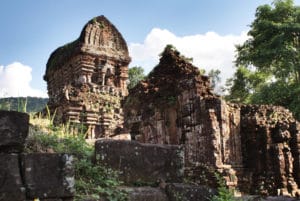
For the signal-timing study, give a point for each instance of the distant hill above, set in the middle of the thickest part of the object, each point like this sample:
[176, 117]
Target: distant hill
[33, 104]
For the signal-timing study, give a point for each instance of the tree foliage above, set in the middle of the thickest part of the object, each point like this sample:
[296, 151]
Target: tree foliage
[244, 84]
[273, 45]
[30, 104]
[215, 79]
[135, 74]
[268, 63]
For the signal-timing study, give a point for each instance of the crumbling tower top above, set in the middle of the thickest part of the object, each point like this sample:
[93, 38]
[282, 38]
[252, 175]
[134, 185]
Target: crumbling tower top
[99, 37]
[87, 79]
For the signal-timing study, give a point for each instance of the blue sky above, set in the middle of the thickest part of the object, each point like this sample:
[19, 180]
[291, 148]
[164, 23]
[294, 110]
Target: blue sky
[32, 29]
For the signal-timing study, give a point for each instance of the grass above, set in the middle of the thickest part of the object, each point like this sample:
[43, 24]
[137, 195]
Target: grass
[91, 181]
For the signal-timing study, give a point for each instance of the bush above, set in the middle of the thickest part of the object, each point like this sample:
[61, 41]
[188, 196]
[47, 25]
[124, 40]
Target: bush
[224, 194]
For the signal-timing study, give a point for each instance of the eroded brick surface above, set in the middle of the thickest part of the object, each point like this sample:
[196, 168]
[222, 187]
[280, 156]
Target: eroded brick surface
[252, 147]
[175, 105]
[269, 149]
[86, 79]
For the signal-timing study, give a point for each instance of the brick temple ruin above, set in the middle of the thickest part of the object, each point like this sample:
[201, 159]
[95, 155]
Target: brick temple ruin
[87, 78]
[255, 148]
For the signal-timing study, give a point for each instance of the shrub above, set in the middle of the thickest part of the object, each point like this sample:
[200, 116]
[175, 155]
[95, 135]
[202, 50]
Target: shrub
[224, 194]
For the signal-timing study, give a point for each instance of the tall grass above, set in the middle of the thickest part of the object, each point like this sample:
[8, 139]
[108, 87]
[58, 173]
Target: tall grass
[91, 181]
[22, 105]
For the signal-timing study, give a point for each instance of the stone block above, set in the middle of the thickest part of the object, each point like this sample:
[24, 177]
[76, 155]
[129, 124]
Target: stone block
[13, 131]
[11, 187]
[54, 199]
[48, 175]
[141, 163]
[186, 192]
[280, 198]
[269, 198]
[146, 194]
[60, 199]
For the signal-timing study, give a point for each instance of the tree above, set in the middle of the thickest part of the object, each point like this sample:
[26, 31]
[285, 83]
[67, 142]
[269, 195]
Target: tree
[244, 84]
[239, 86]
[215, 78]
[24, 104]
[5, 105]
[268, 63]
[273, 45]
[136, 74]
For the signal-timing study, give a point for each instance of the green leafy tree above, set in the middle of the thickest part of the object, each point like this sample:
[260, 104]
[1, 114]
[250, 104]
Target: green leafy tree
[135, 74]
[239, 86]
[215, 78]
[244, 84]
[273, 45]
[5, 105]
[268, 62]
[23, 104]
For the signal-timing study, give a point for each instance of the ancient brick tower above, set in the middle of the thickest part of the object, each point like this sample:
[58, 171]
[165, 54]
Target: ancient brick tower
[87, 79]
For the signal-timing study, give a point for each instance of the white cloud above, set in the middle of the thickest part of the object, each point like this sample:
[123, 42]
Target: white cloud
[15, 81]
[209, 50]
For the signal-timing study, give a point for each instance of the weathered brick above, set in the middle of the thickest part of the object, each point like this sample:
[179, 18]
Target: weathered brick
[87, 79]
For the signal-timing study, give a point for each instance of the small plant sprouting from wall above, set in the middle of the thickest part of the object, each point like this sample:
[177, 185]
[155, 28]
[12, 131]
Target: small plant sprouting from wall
[224, 194]
[178, 196]
[50, 116]
[171, 100]
[100, 24]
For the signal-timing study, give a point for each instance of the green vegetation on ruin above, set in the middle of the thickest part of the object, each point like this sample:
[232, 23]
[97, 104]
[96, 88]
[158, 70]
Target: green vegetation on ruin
[91, 181]
[61, 54]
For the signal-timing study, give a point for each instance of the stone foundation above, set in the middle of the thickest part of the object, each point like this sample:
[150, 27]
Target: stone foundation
[25, 176]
